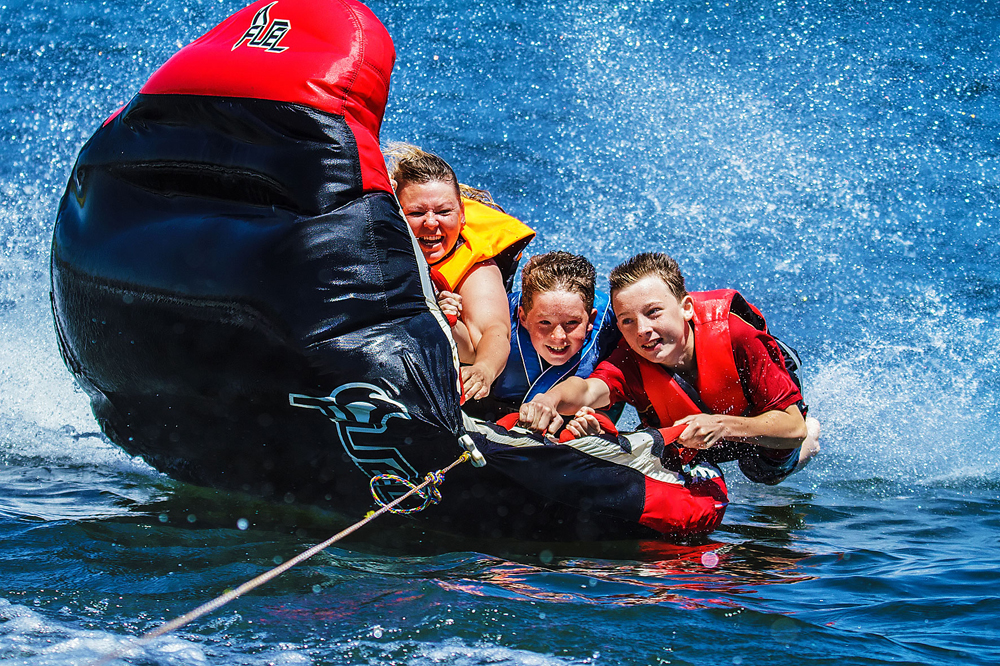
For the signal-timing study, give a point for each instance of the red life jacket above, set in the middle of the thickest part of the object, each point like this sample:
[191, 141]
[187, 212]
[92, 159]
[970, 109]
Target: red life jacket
[718, 383]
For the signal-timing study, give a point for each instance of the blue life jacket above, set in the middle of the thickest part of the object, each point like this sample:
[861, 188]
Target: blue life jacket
[526, 375]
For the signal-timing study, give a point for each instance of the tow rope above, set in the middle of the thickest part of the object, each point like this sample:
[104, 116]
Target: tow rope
[430, 496]
[433, 479]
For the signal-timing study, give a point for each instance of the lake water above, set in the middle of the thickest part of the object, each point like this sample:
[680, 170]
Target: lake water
[835, 161]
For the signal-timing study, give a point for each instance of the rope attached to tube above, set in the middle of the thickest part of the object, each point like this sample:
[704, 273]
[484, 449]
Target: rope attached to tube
[430, 493]
[433, 479]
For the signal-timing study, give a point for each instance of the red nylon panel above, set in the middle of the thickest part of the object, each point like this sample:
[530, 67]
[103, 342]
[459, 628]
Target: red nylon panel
[680, 511]
[331, 55]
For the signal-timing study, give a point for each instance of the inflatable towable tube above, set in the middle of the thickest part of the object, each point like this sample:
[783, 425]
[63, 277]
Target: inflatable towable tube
[232, 281]
[236, 291]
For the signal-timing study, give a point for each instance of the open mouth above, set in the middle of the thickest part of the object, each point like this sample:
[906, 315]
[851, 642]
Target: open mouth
[651, 346]
[557, 351]
[430, 241]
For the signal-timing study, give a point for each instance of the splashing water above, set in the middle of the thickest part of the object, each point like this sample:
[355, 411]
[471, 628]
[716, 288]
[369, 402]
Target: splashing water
[835, 161]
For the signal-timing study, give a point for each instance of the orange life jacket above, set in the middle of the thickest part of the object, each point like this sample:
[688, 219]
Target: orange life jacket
[488, 234]
[718, 383]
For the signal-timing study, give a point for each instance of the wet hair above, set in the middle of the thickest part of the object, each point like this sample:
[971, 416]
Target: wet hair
[409, 164]
[558, 271]
[645, 264]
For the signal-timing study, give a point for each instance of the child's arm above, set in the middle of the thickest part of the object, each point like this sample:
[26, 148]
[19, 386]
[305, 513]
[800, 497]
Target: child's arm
[776, 429]
[544, 412]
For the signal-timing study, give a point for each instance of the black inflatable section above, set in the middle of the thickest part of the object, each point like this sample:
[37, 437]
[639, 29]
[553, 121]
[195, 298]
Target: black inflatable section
[566, 499]
[218, 273]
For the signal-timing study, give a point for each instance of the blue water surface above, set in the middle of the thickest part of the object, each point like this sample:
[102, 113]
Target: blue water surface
[836, 161]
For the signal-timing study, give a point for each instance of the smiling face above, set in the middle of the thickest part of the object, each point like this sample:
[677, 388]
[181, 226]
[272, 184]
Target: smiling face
[557, 323]
[655, 324]
[434, 212]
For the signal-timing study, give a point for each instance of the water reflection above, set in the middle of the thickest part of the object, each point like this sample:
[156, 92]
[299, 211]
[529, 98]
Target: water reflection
[691, 576]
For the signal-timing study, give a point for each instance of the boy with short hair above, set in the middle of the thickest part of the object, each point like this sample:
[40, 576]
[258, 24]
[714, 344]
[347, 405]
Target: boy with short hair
[561, 326]
[704, 359]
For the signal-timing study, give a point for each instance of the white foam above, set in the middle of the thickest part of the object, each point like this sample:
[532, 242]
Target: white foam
[40, 641]
[457, 652]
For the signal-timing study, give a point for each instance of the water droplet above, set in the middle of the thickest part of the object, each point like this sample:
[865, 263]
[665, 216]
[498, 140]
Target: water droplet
[710, 559]
[785, 630]
[243, 524]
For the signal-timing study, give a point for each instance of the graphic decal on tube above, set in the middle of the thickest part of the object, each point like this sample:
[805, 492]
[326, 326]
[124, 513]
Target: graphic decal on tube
[264, 33]
[361, 412]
